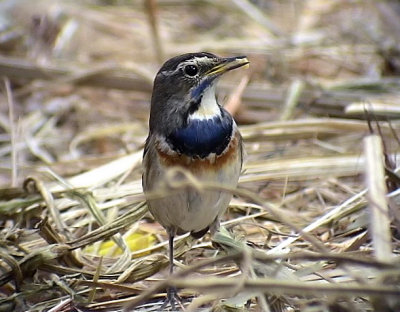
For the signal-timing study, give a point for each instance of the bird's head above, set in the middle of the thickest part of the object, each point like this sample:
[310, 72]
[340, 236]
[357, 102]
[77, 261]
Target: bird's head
[184, 86]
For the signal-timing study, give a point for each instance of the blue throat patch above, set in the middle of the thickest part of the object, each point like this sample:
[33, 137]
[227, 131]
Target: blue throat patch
[200, 138]
[197, 93]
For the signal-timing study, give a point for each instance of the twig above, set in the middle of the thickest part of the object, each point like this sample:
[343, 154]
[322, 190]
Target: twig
[13, 134]
[270, 285]
[233, 103]
[253, 12]
[115, 77]
[295, 90]
[378, 206]
[153, 14]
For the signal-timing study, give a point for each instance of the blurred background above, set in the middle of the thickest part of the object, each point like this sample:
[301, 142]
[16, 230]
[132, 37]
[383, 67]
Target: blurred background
[75, 88]
[80, 72]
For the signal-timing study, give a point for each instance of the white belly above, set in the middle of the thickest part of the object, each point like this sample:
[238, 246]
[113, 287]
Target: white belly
[191, 210]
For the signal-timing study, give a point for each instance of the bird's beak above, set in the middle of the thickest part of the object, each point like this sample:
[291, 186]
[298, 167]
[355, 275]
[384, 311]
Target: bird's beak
[227, 64]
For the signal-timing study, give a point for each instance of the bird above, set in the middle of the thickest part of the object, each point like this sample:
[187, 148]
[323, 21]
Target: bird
[190, 130]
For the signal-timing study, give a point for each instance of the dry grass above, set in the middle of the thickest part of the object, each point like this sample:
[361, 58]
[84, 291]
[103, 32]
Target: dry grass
[315, 222]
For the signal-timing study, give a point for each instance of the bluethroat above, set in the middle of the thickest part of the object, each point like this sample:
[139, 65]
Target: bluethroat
[190, 130]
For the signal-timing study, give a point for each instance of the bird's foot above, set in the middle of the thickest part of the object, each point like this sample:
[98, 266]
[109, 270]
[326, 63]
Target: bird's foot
[172, 298]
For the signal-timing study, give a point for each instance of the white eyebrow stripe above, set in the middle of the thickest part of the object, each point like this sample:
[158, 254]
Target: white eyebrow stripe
[168, 72]
[196, 61]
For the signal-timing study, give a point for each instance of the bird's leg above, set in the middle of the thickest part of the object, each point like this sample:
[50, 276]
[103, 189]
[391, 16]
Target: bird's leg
[172, 293]
[171, 253]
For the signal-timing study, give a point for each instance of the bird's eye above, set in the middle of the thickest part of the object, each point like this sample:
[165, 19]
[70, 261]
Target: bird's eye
[191, 70]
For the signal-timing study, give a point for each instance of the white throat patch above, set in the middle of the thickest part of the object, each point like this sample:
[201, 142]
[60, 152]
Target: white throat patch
[208, 108]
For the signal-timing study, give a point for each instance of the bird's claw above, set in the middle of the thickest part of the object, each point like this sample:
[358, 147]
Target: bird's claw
[172, 298]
